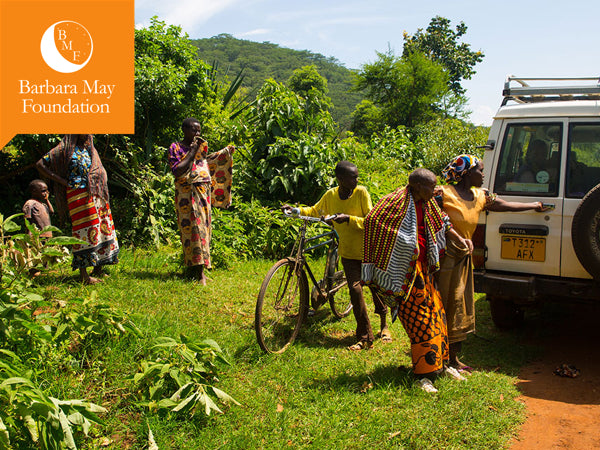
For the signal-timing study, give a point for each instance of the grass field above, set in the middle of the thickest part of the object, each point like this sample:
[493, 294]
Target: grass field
[317, 394]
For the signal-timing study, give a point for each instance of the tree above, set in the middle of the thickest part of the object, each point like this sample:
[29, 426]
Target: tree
[170, 82]
[292, 149]
[407, 89]
[312, 87]
[267, 60]
[366, 119]
[307, 81]
[440, 44]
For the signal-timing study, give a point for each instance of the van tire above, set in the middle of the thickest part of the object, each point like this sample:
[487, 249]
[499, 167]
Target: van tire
[505, 313]
[585, 232]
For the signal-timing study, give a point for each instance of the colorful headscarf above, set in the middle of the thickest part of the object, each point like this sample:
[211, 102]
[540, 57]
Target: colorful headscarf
[459, 166]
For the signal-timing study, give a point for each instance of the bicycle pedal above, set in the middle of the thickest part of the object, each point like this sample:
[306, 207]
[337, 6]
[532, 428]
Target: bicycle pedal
[316, 300]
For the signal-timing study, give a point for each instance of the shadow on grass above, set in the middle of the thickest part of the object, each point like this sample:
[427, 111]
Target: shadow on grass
[382, 377]
[504, 351]
[73, 278]
[155, 275]
[316, 333]
[53, 277]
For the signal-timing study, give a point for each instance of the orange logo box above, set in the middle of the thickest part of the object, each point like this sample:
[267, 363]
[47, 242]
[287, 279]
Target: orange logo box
[66, 67]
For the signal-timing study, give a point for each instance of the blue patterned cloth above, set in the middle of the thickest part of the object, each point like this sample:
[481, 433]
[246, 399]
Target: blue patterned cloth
[458, 167]
[79, 168]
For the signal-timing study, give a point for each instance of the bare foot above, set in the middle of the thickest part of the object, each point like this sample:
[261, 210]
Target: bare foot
[386, 335]
[460, 366]
[201, 276]
[99, 272]
[92, 280]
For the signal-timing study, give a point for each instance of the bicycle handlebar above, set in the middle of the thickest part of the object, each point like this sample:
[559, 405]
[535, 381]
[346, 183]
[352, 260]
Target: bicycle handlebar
[322, 219]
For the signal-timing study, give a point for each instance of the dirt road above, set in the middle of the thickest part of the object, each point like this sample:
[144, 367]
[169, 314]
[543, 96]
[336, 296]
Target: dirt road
[563, 413]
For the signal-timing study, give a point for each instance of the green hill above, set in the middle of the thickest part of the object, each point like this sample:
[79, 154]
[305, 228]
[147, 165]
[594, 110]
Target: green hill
[266, 60]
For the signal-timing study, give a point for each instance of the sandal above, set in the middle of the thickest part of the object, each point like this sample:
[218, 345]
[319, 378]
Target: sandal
[451, 372]
[385, 335]
[361, 345]
[426, 385]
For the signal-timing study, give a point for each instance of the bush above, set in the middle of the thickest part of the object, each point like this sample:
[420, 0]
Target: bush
[440, 141]
[252, 230]
[147, 212]
[384, 162]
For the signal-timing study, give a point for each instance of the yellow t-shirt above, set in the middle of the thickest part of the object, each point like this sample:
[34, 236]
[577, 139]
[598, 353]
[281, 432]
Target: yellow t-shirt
[464, 215]
[351, 233]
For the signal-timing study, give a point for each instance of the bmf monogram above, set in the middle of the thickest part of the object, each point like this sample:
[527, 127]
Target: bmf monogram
[66, 46]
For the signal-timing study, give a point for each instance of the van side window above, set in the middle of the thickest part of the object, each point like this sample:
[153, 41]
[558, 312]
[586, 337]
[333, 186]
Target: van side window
[529, 160]
[583, 159]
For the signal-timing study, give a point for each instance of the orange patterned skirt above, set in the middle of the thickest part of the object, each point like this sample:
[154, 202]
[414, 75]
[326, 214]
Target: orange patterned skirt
[192, 202]
[424, 319]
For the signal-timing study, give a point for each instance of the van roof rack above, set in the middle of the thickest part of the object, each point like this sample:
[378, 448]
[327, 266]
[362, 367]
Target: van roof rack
[553, 89]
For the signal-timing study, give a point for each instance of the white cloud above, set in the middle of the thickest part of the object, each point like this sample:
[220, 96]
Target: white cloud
[482, 115]
[188, 14]
[256, 32]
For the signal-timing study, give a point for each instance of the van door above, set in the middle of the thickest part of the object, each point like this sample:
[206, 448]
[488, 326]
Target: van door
[527, 169]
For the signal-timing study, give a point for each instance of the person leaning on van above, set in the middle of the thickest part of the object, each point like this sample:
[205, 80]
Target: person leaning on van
[463, 200]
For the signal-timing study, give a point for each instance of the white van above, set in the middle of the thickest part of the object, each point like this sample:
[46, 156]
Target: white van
[544, 144]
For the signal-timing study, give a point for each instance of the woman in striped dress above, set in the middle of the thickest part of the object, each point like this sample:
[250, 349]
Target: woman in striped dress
[81, 189]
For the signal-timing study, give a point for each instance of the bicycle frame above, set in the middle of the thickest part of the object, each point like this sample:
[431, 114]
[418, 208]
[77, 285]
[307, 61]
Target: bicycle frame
[285, 299]
[299, 251]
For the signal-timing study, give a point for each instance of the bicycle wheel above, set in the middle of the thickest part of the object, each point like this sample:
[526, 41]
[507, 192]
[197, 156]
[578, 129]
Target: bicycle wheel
[338, 293]
[281, 306]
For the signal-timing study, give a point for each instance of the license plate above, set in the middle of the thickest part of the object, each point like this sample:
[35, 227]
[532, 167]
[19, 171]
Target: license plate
[523, 248]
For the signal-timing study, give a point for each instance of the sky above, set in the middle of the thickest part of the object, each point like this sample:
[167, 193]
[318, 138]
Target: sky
[524, 38]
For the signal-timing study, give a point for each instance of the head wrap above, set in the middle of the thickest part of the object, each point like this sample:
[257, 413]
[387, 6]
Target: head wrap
[458, 167]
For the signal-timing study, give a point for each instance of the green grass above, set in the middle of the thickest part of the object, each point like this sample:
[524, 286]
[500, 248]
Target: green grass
[316, 394]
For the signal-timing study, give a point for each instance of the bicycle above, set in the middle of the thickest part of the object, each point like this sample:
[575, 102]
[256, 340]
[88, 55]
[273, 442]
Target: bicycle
[284, 301]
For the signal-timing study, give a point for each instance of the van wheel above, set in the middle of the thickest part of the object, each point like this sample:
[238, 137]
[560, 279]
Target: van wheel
[585, 232]
[505, 314]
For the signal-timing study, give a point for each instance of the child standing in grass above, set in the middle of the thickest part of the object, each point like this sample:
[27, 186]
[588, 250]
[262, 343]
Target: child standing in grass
[351, 203]
[38, 208]
[37, 211]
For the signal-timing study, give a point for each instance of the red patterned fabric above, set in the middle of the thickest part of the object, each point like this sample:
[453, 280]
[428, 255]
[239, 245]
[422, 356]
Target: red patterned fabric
[92, 222]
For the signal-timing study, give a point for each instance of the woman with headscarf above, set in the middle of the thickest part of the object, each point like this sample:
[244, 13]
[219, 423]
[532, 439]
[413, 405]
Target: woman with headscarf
[81, 189]
[202, 181]
[463, 200]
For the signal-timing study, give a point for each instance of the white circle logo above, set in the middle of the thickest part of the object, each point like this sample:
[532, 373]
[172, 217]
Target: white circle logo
[66, 46]
[542, 177]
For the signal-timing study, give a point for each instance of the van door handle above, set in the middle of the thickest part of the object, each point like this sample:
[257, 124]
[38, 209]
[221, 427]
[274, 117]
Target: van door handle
[548, 206]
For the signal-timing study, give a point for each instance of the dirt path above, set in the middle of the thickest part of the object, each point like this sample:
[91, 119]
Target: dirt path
[563, 413]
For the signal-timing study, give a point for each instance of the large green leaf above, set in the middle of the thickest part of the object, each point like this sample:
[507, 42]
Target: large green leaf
[4, 436]
[8, 225]
[187, 403]
[224, 396]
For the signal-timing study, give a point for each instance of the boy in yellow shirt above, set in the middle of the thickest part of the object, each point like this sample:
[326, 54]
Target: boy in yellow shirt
[351, 203]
